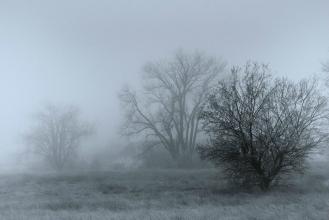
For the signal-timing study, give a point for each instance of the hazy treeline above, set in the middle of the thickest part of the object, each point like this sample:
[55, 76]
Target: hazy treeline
[192, 107]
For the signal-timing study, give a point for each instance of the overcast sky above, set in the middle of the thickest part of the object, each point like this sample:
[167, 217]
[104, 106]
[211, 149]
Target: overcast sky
[82, 52]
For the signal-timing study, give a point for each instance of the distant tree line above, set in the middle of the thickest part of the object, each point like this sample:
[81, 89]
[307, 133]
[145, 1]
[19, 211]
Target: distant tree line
[256, 127]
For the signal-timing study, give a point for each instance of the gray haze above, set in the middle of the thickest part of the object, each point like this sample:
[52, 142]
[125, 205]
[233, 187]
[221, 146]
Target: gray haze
[82, 52]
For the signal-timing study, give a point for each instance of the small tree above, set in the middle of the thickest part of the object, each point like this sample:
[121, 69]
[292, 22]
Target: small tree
[261, 128]
[57, 135]
[166, 112]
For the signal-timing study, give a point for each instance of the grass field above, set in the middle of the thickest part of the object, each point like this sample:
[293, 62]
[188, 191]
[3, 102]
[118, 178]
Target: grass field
[159, 194]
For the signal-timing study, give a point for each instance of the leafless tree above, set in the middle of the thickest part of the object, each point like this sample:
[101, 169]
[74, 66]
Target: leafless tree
[57, 135]
[262, 128]
[167, 110]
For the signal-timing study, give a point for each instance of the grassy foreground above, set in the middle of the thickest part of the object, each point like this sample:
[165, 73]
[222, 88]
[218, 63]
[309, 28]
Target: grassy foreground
[159, 194]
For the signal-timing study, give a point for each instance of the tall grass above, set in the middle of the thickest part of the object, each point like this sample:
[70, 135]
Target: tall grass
[160, 194]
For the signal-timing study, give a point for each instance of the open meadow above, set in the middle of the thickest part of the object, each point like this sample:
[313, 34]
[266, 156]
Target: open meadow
[159, 194]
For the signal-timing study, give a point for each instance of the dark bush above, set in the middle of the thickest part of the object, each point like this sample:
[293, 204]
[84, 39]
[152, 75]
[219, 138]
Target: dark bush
[261, 128]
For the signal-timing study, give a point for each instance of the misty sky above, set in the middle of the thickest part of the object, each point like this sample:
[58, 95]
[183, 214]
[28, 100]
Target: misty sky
[82, 52]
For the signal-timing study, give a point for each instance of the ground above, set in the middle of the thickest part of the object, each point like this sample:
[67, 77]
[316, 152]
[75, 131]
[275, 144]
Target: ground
[159, 194]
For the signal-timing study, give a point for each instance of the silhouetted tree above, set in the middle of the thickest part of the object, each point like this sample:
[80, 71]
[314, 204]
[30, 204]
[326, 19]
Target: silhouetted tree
[57, 135]
[261, 128]
[166, 112]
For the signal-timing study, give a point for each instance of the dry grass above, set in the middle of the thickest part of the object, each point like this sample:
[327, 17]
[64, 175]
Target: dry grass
[159, 194]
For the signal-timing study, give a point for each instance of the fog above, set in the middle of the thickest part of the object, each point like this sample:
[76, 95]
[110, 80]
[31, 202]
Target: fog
[172, 109]
[84, 52]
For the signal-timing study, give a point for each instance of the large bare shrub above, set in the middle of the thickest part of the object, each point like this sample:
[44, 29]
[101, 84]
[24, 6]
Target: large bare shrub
[261, 128]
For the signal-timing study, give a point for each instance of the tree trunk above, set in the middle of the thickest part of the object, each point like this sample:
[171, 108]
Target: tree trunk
[265, 183]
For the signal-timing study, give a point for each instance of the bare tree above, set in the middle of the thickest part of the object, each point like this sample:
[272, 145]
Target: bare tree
[57, 135]
[260, 128]
[167, 111]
